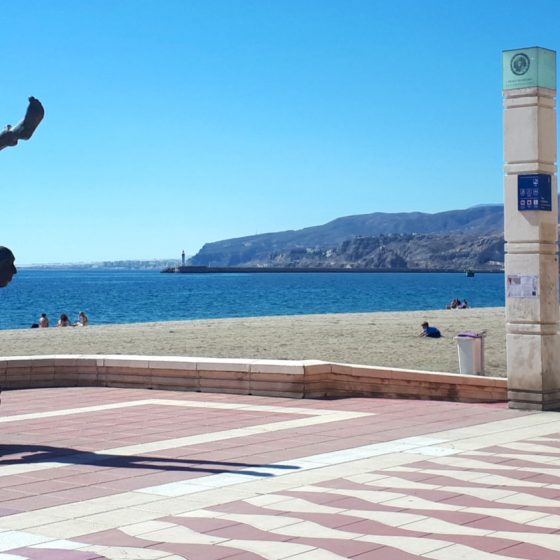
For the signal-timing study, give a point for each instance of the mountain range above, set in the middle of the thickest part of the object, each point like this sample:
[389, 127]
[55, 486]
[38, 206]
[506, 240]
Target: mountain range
[453, 240]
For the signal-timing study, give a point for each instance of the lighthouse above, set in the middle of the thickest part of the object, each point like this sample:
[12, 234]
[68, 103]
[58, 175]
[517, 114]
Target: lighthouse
[183, 258]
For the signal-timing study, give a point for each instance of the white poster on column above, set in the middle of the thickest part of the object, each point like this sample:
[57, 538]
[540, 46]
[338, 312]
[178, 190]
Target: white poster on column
[519, 286]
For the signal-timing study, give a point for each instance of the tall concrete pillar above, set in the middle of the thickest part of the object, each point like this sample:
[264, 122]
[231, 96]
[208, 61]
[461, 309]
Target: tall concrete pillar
[531, 233]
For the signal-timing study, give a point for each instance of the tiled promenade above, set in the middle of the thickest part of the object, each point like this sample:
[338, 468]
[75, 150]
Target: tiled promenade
[99, 473]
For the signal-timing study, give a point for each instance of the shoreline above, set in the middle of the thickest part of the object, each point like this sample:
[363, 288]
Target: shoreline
[387, 339]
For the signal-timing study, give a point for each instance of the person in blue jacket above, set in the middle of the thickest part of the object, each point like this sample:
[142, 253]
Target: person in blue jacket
[430, 332]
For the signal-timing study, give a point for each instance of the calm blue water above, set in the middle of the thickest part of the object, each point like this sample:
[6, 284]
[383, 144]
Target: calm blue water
[140, 296]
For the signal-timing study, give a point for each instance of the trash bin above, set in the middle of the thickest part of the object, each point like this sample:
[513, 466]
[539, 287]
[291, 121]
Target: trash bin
[470, 347]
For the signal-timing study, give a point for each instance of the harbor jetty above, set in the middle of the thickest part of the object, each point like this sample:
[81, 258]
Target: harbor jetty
[275, 269]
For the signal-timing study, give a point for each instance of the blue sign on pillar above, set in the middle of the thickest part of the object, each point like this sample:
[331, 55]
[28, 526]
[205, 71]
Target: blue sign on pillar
[534, 192]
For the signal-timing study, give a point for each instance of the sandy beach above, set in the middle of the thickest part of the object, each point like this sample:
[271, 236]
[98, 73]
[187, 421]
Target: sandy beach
[382, 339]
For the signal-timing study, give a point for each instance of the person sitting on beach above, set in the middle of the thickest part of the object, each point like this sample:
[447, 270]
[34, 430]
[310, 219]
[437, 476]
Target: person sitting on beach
[83, 320]
[7, 266]
[464, 305]
[63, 321]
[43, 321]
[430, 332]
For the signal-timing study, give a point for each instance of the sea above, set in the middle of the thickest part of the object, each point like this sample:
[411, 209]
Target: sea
[110, 296]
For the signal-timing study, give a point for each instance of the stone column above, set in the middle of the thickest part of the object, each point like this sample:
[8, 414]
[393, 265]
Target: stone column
[531, 233]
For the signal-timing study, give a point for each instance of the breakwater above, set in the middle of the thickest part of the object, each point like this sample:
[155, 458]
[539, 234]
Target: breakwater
[265, 269]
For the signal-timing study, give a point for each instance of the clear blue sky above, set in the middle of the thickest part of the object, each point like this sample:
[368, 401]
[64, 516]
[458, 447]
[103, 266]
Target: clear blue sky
[171, 123]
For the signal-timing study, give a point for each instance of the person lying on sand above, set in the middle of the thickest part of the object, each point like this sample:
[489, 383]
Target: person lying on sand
[430, 332]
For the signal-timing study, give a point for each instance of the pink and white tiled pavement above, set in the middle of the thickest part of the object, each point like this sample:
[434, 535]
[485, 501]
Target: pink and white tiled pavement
[99, 473]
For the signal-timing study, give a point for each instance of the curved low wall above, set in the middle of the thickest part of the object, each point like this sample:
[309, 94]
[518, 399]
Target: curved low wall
[284, 378]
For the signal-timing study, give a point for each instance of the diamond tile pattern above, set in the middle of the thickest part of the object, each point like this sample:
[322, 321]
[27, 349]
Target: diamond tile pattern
[107, 473]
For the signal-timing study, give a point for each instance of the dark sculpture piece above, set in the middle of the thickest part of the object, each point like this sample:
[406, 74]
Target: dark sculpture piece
[7, 266]
[10, 136]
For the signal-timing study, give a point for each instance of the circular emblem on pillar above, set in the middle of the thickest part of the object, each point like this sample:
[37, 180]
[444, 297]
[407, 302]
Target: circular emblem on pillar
[520, 64]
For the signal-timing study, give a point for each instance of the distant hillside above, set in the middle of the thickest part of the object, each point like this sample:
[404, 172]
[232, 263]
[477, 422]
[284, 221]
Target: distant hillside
[154, 264]
[267, 249]
[401, 251]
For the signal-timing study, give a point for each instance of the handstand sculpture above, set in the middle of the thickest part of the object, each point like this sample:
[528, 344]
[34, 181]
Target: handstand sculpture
[10, 136]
